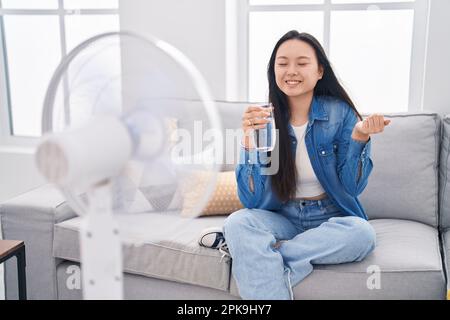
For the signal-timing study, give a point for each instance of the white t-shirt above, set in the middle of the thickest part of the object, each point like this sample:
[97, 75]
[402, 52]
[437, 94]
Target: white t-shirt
[307, 183]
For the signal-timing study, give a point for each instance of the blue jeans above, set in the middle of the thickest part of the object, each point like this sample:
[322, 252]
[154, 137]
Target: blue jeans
[273, 251]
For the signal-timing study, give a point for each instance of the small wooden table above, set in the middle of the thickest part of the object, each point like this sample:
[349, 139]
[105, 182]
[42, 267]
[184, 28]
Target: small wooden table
[10, 248]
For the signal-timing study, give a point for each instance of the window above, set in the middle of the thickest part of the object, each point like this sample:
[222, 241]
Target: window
[376, 47]
[34, 35]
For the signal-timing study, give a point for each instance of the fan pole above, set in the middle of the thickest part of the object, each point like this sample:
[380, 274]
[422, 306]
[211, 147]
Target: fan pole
[101, 248]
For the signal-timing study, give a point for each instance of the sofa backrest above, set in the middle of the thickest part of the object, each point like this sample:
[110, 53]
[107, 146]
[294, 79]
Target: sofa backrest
[444, 175]
[404, 180]
[231, 115]
[194, 119]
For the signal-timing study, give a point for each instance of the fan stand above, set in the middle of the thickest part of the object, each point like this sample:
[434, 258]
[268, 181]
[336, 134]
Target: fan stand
[100, 247]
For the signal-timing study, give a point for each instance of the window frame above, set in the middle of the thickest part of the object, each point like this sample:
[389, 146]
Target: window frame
[8, 141]
[237, 43]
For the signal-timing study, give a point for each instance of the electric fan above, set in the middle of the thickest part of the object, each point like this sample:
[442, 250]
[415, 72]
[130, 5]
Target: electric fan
[129, 127]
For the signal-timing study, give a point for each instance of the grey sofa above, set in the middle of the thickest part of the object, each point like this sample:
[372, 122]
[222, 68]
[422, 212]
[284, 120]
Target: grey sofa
[407, 200]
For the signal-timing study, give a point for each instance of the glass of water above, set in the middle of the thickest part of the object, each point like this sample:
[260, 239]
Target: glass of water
[264, 139]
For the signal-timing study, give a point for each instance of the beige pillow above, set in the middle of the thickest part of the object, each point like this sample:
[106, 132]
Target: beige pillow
[223, 201]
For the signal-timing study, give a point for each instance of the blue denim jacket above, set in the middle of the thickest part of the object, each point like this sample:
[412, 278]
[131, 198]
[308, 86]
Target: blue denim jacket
[342, 165]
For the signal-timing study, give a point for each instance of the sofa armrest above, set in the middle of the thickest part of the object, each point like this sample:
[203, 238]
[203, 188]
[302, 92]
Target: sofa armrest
[31, 217]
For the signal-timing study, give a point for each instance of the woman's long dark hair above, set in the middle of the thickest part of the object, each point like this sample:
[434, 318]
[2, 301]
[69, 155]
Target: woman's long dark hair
[284, 181]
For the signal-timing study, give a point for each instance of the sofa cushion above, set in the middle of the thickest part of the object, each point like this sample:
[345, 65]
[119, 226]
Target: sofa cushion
[404, 180]
[407, 257]
[223, 200]
[444, 174]
[147, 251]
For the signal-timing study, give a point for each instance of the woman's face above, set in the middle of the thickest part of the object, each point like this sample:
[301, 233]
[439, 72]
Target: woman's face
[296, 68]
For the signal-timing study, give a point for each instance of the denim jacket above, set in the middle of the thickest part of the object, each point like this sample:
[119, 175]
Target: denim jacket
[342, 165]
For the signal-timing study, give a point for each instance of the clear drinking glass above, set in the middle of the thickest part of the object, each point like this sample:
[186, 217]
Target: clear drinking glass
[265, 138]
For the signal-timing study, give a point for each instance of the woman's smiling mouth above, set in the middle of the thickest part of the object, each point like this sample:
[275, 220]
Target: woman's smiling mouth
[292, 83]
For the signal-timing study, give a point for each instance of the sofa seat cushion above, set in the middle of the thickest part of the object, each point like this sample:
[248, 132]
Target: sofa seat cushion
[174, 256]
[407, 260]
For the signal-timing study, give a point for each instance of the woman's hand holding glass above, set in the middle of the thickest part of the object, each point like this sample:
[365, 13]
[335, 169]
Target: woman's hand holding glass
[254, 118]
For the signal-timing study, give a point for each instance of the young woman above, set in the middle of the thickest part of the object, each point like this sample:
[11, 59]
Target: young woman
[307, 212]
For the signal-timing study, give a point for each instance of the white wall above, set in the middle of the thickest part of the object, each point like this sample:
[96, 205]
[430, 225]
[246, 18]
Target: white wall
[437, 69]
[17, 172]
[196, 27]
